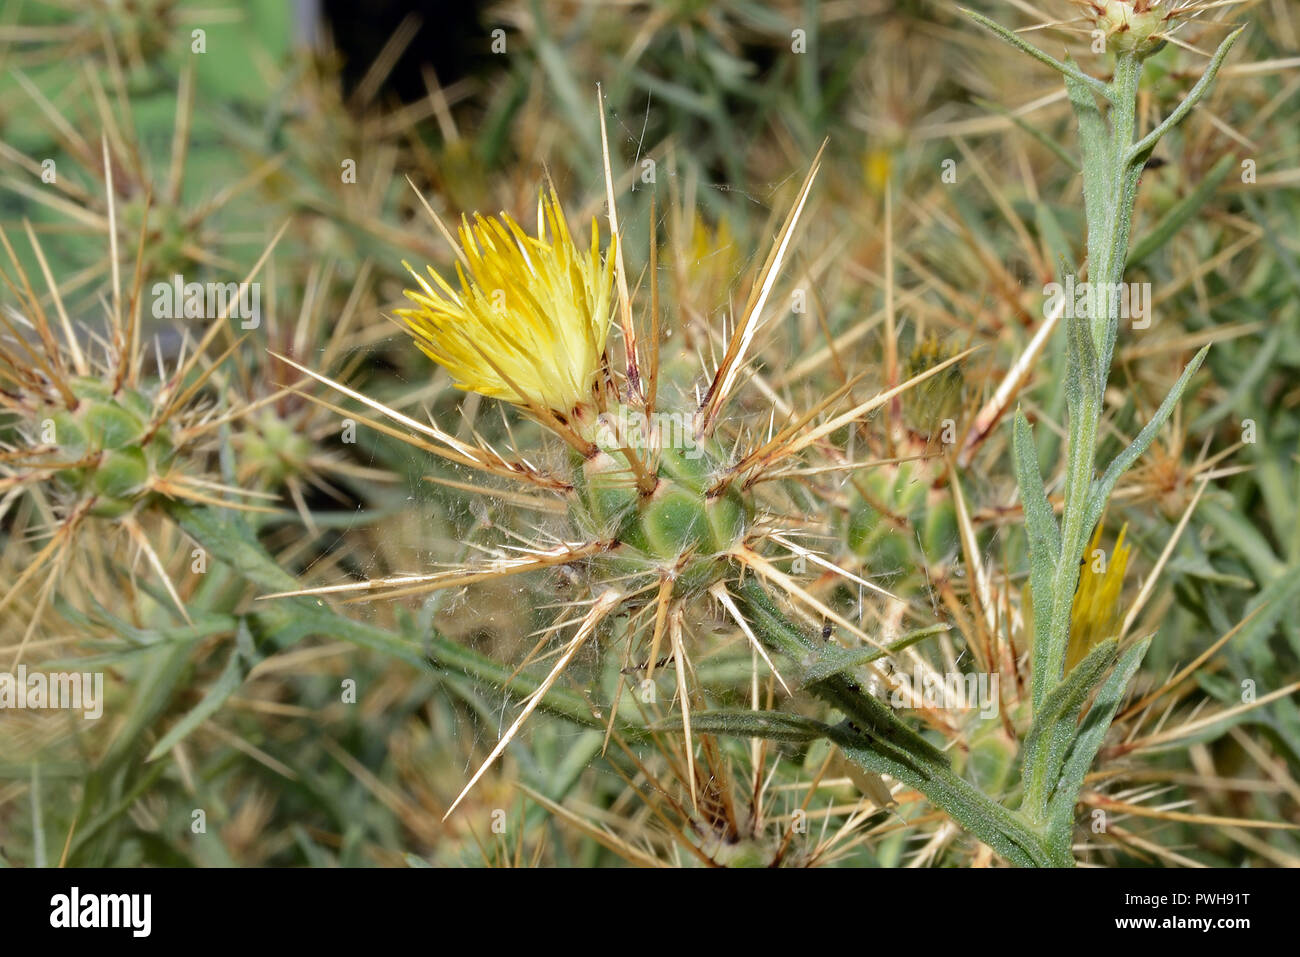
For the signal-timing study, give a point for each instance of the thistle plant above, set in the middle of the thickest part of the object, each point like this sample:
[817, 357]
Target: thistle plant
[1058, 750]
[654, 527]
[680, 583]
[663, 512]
[90, 434]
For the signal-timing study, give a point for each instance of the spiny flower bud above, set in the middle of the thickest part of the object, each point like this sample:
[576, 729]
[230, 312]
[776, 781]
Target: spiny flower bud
[1139, 26]
[682, 525]
[111, 447]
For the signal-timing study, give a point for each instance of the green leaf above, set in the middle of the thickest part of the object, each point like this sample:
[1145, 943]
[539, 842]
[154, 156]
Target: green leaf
[969, 807]
[745, 723]
[836, 660]
[871, 717]
[1020, 44]
[1040, 522]
[1056, 724]
[875, 740]
[1100, 493]
[1143, 147]
[1042, 531]
[1088, 741]
[231, 677]
[1086, 371]
[987, 820]
[1094, 140]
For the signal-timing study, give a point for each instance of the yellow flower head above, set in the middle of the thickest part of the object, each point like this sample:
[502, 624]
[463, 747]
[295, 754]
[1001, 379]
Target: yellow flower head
[530, 319]
[1096, 615]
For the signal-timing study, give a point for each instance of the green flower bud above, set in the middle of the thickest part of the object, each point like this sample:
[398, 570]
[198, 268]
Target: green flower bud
[678, 526]
[106, 434]
[109, 426]
[119, 479]
[1133, 25]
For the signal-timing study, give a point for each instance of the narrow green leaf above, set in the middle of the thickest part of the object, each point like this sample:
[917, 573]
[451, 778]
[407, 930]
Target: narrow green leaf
[161, 675]
[875, 740]
[231, 677]
[744, 723]
[869, 716]
[978, 814]
[1020, 44]
[1088, 741]
[1143, 147]
[836, 660]
[1039, 519]
[983, 817]
[1055, 725]
[1100, 493]
[1041, 529]
[1094, 141]
[1083, 377]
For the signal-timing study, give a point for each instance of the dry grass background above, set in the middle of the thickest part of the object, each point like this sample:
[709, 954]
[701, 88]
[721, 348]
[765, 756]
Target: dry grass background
[219, 164]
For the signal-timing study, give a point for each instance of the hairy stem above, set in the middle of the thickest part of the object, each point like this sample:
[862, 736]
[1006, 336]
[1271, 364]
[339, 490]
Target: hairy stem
[1091, 343]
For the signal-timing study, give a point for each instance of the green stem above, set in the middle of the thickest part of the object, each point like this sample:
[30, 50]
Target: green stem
[876, 740]
[1112, 167]
[1109, 225]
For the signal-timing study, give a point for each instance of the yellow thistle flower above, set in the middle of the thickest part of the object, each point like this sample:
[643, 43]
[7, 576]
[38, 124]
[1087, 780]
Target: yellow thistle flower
[529, 322]
[1097, 612]
[714, 262]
